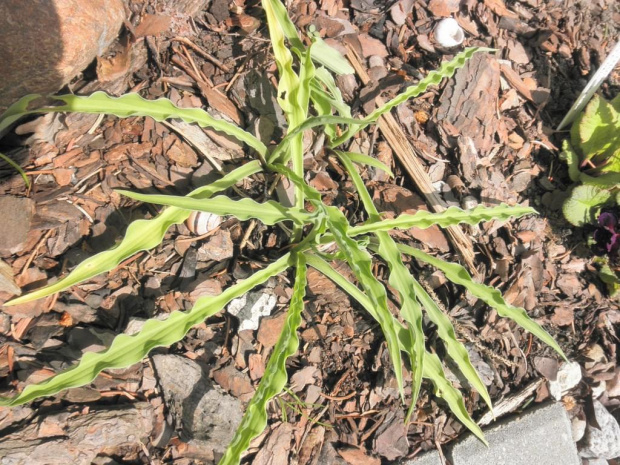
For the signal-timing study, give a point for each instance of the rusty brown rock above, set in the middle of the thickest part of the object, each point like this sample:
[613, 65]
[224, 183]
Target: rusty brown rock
[45, 43]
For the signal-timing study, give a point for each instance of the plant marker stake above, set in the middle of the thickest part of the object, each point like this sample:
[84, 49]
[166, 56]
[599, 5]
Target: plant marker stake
[592, 86]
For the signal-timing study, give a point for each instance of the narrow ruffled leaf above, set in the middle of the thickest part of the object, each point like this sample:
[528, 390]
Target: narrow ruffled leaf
[453, 397]
[399, 278]
[361, 159]
[132, 105]
[432, 365]
[456, 350]
[446, 70]
[140, 235]
[17, 111]
[452, 216]
[127, 350]
[321, 52]
[275, 377]
[360, 262]
[281, 153]
[491, 296]
[325, 268]
[327, 99]
[269, 212]
[292, 92]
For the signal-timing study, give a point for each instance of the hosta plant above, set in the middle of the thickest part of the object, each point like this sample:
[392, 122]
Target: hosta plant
[593, 158]
[310, 100]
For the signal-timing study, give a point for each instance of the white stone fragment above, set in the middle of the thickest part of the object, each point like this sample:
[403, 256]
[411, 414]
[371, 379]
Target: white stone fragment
[448, 33]
[250, 307]
[569, 376]
[578, 427]
[603, 443]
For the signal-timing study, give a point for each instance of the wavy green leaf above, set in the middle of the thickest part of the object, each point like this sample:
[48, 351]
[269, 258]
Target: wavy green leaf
[489, 295]
[281, 153]
[361, 159]
[453, 397]
[269, 212]
[127, 350]
[17, 111]
[325, 268]
[132, 105]
[293, 90]
[321, 52]
[327, 98]
[399, 278]
[361, 264]
[275, 377]
[432, 364]
[446, 70]
[140, 235]
[456, 350]
[452, 216]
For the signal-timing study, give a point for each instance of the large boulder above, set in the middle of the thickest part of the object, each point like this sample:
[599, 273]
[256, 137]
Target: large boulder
[45, 43]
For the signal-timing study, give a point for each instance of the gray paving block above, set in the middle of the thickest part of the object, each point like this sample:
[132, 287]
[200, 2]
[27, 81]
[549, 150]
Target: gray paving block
[540, 436]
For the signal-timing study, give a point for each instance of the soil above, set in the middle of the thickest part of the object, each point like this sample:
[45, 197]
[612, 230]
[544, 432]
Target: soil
[485, 136]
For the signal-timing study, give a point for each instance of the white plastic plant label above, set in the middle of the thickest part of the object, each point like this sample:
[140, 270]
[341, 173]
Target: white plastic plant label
[592, 86]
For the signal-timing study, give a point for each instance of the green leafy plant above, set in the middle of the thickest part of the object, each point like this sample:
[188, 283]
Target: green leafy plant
[593, 158]
[310, 99]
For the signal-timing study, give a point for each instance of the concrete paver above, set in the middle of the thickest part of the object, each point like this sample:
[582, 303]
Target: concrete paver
[540, 436]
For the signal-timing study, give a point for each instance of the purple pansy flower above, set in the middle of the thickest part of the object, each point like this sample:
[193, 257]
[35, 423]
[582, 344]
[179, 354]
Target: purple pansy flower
[607, 235]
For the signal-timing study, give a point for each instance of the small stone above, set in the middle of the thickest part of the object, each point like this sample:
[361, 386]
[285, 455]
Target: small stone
[250, 307]
[569, 376]
[578, 428]
[217, 247]
[204, 412]
[603, 443]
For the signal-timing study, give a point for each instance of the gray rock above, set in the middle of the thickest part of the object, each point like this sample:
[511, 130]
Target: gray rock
[578, 428]
[541, 436]
[569, 376]
[603, 443]
[205, 414]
